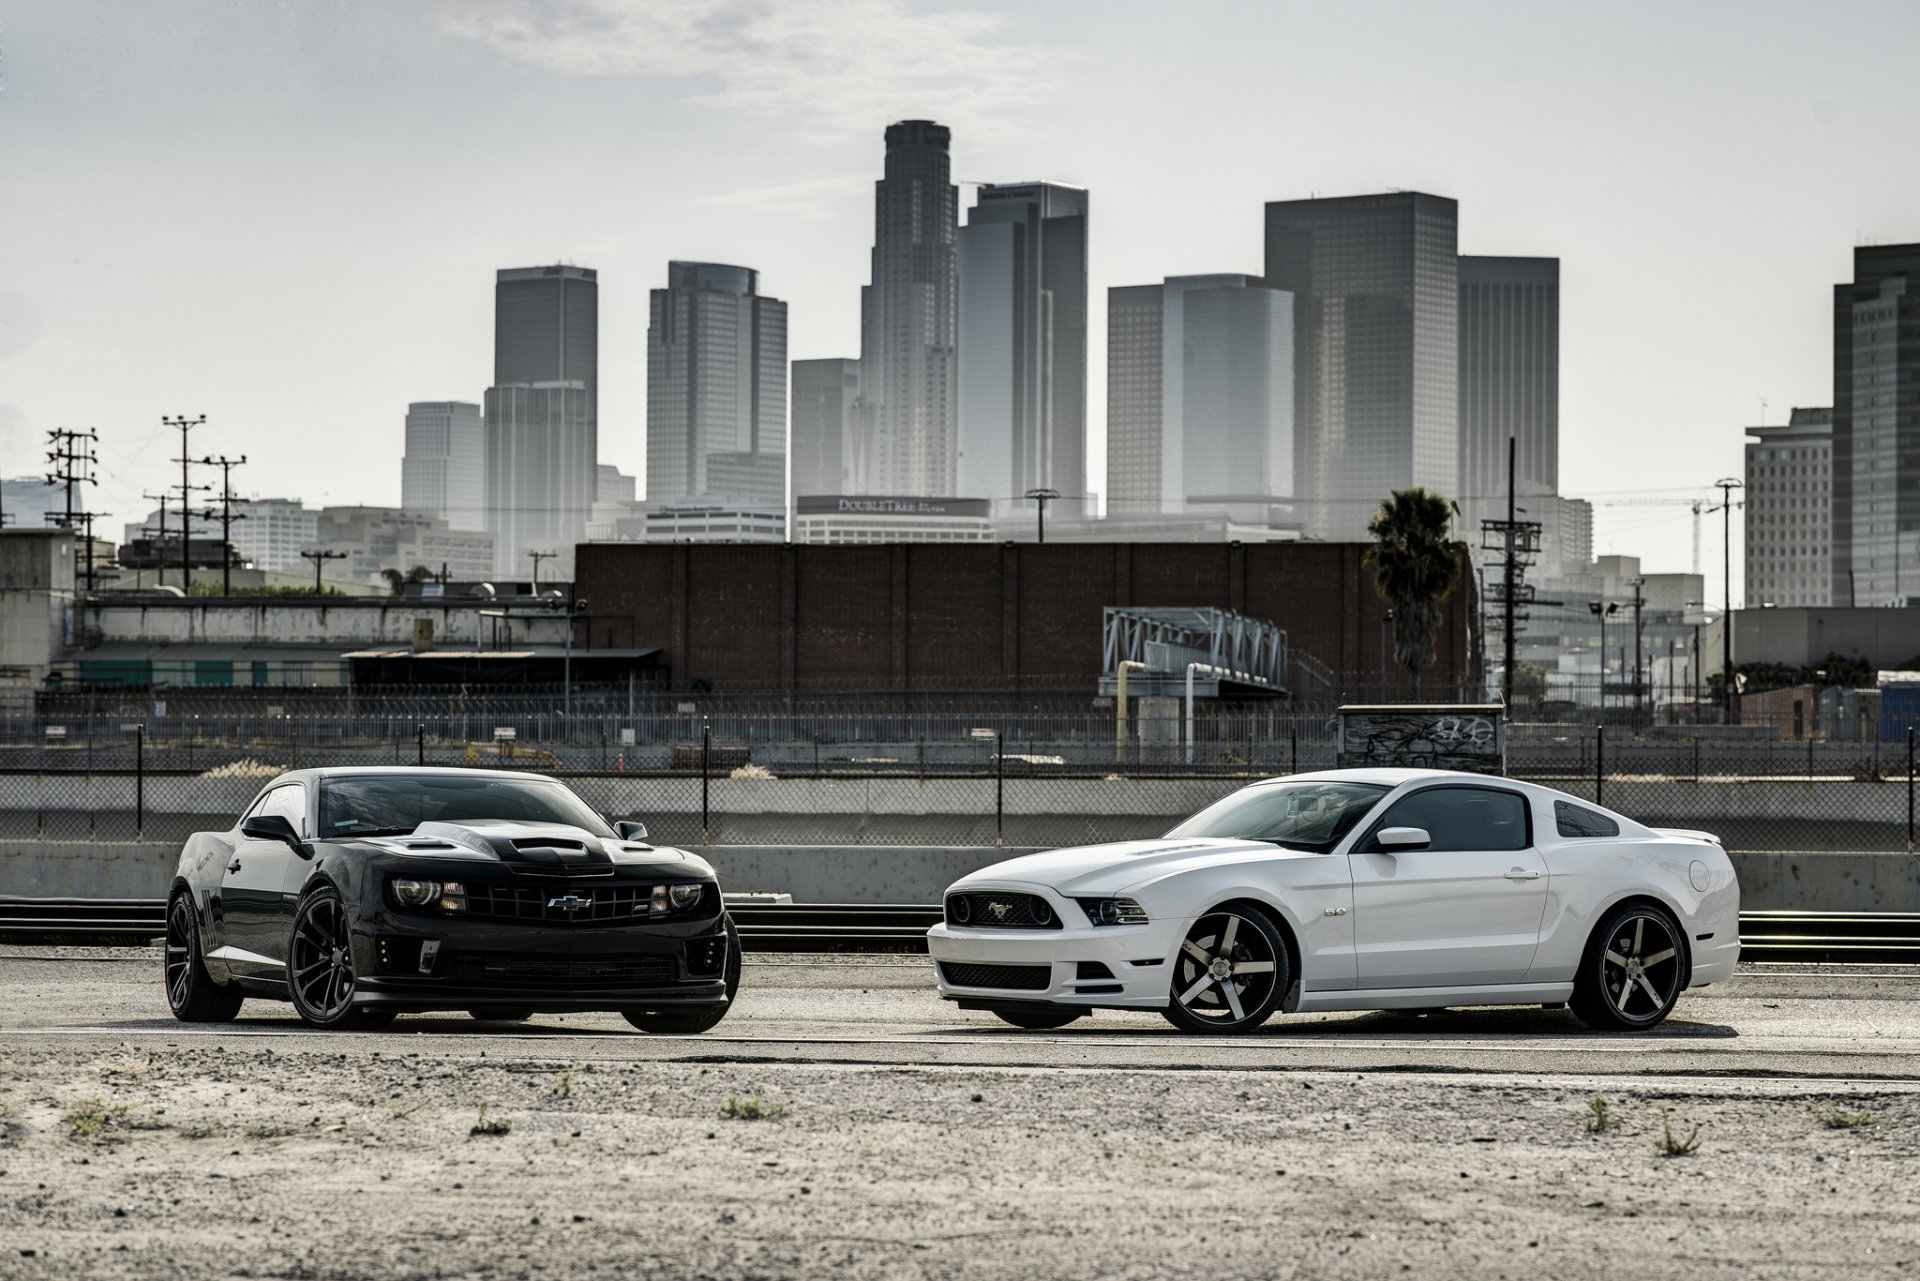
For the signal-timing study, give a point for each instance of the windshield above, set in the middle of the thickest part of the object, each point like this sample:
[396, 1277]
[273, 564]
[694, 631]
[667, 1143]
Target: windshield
[393, 804]
[1300, 816]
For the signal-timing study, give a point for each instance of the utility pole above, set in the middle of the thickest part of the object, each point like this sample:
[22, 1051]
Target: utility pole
[74, 461]
[536, 558]
[184, 424]
[1600, 609]
[1043, 497]
[1726, 487]
[320, 558]
[1519, 541]
[226, 466]
[1639, 645]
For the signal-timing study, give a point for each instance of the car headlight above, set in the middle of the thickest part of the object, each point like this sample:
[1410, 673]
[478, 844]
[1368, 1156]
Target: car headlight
[1113, 911]
[685, 896]
[453, 896]
[413, 893]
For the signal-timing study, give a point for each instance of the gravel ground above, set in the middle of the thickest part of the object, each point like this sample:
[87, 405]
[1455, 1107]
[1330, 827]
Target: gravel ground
[199, 1162]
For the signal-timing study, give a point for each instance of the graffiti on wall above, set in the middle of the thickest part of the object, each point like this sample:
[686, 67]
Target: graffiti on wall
[1422, 738]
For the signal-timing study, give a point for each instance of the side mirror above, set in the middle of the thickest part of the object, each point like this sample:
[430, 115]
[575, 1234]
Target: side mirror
[1402, 838]
[271, 827]
[631, 830]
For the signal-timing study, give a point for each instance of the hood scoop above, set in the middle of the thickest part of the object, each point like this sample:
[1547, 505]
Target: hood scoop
[544, 849]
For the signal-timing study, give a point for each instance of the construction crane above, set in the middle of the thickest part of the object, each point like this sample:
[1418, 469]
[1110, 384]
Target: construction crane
[1699, 505]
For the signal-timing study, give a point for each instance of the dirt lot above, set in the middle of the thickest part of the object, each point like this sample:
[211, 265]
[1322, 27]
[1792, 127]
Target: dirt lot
[297, 1159]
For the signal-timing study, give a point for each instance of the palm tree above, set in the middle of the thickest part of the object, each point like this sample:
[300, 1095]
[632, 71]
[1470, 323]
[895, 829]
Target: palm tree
[1415, 563]
[398, 581]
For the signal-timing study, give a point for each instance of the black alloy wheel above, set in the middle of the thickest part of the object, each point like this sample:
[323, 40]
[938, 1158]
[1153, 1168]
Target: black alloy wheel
[191, 992]
[1230, 974]
[320, 976]
[1040, 1018]
[1634, 971]
[690, 1020]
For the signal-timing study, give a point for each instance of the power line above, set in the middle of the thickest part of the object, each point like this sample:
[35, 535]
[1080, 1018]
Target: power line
[320, 558]
[184, 424]
[227, 517]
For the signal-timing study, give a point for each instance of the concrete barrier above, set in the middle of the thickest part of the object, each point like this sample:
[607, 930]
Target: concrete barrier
[1808, 881]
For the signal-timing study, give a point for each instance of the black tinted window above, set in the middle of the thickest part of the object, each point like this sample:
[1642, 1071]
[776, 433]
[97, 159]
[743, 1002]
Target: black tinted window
[401, 802]
[1578, 820]
[1464, 818]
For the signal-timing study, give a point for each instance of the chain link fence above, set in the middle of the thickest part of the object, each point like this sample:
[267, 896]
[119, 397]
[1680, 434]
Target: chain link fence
[985, 788]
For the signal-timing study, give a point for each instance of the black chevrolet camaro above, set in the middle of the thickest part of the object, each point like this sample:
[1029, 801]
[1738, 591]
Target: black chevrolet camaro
[359, 894]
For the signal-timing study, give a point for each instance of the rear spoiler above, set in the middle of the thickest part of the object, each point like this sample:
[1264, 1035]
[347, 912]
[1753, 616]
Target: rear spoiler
[1688, 833]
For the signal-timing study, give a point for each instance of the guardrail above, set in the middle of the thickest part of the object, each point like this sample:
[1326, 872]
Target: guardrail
[1855, 938]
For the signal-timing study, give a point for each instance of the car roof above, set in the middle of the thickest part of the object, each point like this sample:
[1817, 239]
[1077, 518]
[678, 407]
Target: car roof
[402, 771]
[1389, 777]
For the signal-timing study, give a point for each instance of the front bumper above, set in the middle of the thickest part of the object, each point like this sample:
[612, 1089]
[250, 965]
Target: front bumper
[419, 962]
[1139, 959]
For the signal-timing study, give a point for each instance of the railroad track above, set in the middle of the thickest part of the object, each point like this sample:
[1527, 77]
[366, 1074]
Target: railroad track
[1856, 938]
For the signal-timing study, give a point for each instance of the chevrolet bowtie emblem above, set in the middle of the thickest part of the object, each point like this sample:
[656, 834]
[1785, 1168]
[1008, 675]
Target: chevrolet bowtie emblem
[569, 902]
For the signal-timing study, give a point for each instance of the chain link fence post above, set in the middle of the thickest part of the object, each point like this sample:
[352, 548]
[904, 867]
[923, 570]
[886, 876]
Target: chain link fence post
[1000, 790]
[420, 744]
[706, 748]
[1599, 764]
[1909, 789]
[139, 781]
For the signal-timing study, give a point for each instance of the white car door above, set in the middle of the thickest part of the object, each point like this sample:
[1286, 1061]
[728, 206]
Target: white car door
[1465, 910]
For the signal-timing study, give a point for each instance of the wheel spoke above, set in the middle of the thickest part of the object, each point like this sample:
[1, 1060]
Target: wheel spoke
[1233, 1001]
[1658, 957]
[1187, 997]
[1196, 952]
[1625, 995]
[1639, 928]
[1228, 935]
[1657, 1001]
[1617, 959]
[1253, 967]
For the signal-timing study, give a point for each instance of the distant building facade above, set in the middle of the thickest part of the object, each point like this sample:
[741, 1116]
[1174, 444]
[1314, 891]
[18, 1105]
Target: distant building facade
[1200, 410]
[909, 319]
[1876, 431]
[376, 539]
[272, 531]
[716, 387]
[1789, 512]
[824, 440]
[844, 520]
[26, 501]
[546, 329]
[1509, 383]
[540, 474]
[1375, 285]
[444, 468]
[708, 520]
[1022, 262]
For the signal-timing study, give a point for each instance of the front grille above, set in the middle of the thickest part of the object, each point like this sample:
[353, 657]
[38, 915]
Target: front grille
[1014, 978]
[1001, 911]
[563, 905]
[560, 971]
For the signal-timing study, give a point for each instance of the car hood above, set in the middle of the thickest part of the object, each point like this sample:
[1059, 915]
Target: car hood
[1109, 869]
[546, 849]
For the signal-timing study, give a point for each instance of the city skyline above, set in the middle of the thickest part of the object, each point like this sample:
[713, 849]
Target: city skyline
[785, 190]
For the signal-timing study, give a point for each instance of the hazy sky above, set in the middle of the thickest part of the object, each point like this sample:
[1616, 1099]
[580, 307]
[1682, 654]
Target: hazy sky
[286, 216]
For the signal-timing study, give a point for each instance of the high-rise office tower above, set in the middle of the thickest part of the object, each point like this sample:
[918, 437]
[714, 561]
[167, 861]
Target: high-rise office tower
[1876, 429]
[1023, 342]
[909, 320]
[546, 328]
[1788, 518]
[540, 473]
[443, 471]
[716, 388]
[825, 443]
[1375, 284]
[1509, 339]
[1200, 408]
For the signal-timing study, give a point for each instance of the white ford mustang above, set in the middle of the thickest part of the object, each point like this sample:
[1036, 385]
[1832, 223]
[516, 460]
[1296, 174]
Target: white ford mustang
[1351, 890]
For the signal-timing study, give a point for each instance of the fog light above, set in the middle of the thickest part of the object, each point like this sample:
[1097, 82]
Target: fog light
[411, 893]
[685, 896]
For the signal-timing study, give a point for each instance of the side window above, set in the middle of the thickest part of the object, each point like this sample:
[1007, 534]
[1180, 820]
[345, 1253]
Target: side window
[1464, 818]
[288, 802]
[1578, 820]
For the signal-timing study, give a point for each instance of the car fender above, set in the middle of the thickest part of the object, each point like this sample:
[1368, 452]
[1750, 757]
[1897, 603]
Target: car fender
[1312, 897]
[1588, 880]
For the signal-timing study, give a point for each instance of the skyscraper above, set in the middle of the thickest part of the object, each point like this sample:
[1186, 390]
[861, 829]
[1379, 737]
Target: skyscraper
[1200, 409]
[540, 473]
[716, 388]
[443, 471]
[1509, 382]
[546, 328]
[1375, 283]
[909, 320]
[1023, 341]
[1788, 517]
[825, 443]
[1876, 428]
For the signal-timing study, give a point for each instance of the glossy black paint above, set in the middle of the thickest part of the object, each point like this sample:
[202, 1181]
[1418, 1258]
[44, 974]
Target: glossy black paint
[245, 886]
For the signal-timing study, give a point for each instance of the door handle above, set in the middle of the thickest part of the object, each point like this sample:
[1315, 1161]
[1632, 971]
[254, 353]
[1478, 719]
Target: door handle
[234, 866]
[1522, 874]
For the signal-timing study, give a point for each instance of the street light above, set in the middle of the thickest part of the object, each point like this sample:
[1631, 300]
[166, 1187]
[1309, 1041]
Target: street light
[1726, 486]
[1043, 497]
[1600, 609]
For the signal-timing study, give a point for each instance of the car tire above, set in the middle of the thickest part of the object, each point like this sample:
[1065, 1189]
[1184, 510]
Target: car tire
[1039, 1020]
[500, 1014]
[191, 992]
[690, 1020]
[1205, 995]
[320, 974]
[1633, 972]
